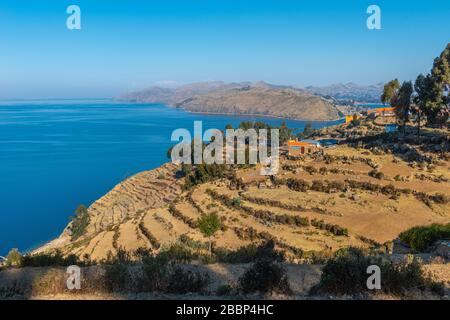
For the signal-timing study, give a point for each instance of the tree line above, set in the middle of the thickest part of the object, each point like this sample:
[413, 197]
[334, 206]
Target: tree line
[428, 99]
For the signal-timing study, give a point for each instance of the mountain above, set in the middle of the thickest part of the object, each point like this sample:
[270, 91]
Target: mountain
[172, 96]
[243, 98]
[349, 91]
[264, 101]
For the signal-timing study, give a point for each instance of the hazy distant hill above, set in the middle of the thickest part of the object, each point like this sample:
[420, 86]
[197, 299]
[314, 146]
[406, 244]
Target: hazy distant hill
[266, 101]
[349, 91]
[172, 96]
[243, 98]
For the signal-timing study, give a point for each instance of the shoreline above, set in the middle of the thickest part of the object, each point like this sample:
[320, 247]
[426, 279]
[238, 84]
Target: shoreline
[259, 115]
[35, 247]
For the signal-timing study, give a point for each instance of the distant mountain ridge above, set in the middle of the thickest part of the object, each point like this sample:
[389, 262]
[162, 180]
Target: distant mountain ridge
[349, 91]
[244, 98]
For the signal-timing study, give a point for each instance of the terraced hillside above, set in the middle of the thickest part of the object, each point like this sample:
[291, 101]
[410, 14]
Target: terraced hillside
[353, 194]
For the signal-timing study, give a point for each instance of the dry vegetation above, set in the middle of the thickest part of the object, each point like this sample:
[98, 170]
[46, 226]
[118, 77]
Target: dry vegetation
[319, 203]
[358, 194]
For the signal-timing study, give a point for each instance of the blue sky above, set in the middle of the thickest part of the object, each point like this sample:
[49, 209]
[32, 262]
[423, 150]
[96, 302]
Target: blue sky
[128, 45]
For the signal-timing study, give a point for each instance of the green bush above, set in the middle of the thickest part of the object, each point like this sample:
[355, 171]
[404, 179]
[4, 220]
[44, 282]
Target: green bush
[161, 176]
[250, 253]
[184, 281]
[202, 173]
[116, 277]
[347, 274]
[209, 224]
[225, 290]
[9, 292]
[310, 169]
[298, 185]
[14, 258]
[265, 276]
[177, 253]
[79, 222]
[419, 238]
[155, 271]
[333, 228]
[50, 259]
[376, 174]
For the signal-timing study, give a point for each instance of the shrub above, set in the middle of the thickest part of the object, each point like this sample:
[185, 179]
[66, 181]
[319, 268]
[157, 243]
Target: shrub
[184, 281]
[177, 253]
[7, 292]
[419, 238]
[116, 277]
[236, 202]
[391, 191]
[179, 215]
[250, 253]
[50, 259]
[191, 243]
[79, 222]
[225, 290]
[161, 176]
[150, 237]
[310, 169]
[376, 174]
[209, 224]
[346, 273]
[155, 272]
[333, 228]
[297, 185]
[51, 281]
[323, 170]
[14, 258]
[203, 173]
[265, 276]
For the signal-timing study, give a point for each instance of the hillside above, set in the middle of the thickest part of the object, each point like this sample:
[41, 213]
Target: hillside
[172, 96]
[241, 99]
[349, 91]
[353, 199]
[373, 190]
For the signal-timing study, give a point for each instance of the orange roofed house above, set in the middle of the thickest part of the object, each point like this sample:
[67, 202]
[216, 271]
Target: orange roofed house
[386, 112]
[302, 147]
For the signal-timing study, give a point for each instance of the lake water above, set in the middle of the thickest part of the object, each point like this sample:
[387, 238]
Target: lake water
[55, 155]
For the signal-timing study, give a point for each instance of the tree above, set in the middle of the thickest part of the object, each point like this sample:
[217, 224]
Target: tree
[209, 224]
[401, 102]
[427, 99]
[422, 89]
[440, 74]
[285, 133]
[308, 130]
[79, 222]
[389, 91]
[441, 68]
[14, 258]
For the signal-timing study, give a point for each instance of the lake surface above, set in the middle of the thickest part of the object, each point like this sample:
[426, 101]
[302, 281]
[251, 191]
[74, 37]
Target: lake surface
[55, 155]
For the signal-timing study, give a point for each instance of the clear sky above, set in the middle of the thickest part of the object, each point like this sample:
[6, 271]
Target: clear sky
[127, 45]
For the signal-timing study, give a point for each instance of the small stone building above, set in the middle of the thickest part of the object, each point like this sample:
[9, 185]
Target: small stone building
[296, 148]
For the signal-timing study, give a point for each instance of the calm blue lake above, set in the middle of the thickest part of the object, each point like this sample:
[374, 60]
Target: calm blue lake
[55, 155]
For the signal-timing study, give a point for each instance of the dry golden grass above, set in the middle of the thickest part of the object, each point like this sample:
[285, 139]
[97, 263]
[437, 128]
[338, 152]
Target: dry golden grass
[145, 198]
